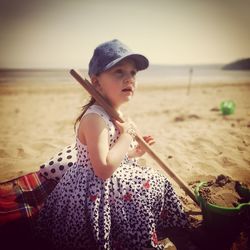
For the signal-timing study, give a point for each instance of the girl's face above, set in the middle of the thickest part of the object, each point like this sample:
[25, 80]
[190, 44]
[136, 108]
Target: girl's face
[118, 83]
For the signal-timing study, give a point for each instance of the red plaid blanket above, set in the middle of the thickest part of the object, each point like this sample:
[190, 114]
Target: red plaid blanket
[20, 201]
[22, 198]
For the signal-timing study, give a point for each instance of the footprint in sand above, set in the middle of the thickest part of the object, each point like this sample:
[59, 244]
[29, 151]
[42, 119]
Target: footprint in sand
[179, 119]
[215, 109]
[245, 143]
[227, 162]
[193, 116]
[182, 118]
[241, 149]
[21, 153]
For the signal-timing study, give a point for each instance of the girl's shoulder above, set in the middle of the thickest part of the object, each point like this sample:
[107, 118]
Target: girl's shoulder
[97, 109]
[91, 124]
[95, 115]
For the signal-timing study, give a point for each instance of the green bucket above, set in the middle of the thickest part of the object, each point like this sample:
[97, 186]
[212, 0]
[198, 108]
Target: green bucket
[227, 107]
[217, 217]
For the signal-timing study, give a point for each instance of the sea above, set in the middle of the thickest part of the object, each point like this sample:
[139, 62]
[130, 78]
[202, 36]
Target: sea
[155, 74]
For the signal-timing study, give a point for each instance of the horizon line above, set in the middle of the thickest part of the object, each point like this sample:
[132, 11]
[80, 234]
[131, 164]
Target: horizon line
[81, 68]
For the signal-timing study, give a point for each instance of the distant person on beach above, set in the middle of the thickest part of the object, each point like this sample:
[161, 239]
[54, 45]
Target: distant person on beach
[106, 200]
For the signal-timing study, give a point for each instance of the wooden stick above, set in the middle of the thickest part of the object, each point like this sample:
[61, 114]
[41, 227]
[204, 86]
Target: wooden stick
[114, 114]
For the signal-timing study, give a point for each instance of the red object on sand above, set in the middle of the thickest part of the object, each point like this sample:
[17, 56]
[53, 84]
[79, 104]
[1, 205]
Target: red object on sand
[22, 198]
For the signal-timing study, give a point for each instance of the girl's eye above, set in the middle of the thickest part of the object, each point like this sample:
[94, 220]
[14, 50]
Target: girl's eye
[133, 73]
[118, 72]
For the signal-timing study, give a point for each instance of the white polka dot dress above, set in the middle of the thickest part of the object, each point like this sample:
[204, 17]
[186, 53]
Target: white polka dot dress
[57, 166]
[126, 211]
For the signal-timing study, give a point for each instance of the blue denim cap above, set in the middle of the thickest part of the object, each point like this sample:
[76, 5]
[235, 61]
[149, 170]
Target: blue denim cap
[108, 54]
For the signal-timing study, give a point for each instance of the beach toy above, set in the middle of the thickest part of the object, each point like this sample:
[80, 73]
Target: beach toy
[227, 107]
[217, 217]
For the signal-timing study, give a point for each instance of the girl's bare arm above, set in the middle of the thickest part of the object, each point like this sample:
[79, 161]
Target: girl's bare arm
[104, 161]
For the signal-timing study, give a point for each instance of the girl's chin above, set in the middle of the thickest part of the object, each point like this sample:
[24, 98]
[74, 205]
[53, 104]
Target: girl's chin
[124, 101]
[128, 95]
[128, 98]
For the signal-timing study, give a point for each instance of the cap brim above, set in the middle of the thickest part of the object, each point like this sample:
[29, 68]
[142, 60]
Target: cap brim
[141, 62]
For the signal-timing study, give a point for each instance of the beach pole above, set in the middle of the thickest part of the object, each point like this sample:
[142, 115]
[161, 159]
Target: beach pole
[190, 80]
[114, 114]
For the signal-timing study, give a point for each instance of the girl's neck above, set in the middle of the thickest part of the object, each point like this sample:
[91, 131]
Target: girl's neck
[116, 108]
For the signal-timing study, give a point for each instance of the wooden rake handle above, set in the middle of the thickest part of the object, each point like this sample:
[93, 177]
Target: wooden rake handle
[114, 114]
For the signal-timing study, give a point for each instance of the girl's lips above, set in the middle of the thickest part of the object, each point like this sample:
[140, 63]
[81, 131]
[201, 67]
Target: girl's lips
[128, 89]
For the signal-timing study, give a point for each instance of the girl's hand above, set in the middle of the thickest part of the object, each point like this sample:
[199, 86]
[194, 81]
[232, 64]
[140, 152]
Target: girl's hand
[126, 127]
[139, 151]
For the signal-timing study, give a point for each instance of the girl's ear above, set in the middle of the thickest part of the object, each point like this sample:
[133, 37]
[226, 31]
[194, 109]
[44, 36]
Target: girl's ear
[94, 81]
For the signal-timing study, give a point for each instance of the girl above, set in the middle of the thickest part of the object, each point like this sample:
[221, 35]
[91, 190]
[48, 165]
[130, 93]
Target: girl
[106, 200]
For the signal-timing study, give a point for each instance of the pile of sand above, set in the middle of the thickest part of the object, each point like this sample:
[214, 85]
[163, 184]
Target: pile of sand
[223, 191]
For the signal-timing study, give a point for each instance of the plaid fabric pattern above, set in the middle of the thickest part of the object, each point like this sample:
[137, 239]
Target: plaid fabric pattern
[22, 198]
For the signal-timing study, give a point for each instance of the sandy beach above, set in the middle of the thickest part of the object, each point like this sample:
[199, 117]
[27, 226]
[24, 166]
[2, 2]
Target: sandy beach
[192, 137]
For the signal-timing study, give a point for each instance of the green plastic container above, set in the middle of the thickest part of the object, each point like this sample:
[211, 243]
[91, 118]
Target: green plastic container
[223, 218]
[227, 107]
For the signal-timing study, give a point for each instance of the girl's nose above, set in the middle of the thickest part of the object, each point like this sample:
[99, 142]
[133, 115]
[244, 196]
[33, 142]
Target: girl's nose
[130, 78]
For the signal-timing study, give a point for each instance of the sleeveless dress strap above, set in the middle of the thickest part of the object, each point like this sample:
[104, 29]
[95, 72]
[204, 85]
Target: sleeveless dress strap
[96, 109]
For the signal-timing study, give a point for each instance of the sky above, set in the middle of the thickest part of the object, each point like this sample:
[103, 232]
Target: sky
[64, 34]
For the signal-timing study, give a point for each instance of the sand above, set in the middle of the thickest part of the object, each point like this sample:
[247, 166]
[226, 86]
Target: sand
[223, 192]
[192, 137]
